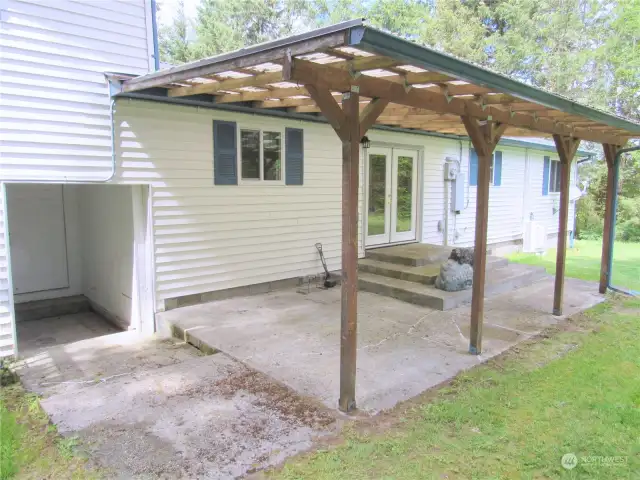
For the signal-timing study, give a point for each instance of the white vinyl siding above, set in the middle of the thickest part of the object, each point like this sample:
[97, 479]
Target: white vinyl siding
[55, 116]
[505, 201]
[213, 237]
[7, 324]
[545, 208]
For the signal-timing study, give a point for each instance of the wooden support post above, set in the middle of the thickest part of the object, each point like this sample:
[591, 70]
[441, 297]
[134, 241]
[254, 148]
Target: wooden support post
[566, 147]
[350, 125]
[349, 310]
[609, 155]
[484, 136]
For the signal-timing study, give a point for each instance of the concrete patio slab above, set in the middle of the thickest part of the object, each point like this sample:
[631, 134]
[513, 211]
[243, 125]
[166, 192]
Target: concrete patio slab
[158, 408]
[209, 417]
[38, 335]
[403, 349]
[82, 347]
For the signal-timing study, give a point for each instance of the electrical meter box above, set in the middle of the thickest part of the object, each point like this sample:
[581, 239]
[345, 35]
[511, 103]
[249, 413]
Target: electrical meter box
[450, 171]
[457, 194]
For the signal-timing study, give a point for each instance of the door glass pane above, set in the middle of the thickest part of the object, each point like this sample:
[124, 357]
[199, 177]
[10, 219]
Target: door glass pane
[404, 211]
[250, 151]
[377, 194]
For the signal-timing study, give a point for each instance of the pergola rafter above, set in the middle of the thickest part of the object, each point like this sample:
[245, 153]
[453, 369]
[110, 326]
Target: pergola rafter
[384, 80]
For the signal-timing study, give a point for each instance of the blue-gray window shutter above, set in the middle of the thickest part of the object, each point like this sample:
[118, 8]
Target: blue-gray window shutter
[545, 176]
[497, 168]
[225, 153]
[294, 161]
[473, 167]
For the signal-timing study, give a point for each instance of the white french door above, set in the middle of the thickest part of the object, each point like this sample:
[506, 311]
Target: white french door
[391, 195]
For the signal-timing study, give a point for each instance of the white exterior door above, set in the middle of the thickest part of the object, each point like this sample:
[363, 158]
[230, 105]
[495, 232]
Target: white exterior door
[37, 237]
[391, 196]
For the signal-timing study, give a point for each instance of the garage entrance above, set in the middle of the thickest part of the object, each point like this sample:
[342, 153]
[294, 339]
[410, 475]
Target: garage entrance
[78, 262]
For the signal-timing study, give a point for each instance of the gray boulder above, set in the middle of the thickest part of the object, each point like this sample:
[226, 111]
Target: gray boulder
[462, 255]
[454, 276]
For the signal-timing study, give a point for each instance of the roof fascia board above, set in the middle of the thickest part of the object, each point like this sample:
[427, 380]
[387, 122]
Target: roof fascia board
[382, 43]
[332, 36]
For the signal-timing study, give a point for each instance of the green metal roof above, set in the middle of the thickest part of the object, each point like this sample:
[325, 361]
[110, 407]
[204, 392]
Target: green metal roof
[382, 43]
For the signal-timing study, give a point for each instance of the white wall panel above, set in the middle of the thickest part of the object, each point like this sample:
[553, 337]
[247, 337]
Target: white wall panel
[54, 121]
[55, 115]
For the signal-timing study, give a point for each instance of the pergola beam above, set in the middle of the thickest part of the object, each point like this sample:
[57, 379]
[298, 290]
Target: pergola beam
[609, 155]
[566, 147]
[335, 79]
[258, 80]
[365, 63]
[370, 113]
[285, 102]
[484, 137]
[248, 96]
[330, 109]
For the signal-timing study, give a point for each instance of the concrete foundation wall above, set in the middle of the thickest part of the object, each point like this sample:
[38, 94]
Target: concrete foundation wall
[107, 249]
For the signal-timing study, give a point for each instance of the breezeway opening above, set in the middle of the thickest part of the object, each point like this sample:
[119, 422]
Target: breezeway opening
[77, 266]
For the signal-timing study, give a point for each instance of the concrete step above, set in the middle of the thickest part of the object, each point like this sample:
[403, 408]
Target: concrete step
[499, 280]
[426, 274]
[55, 307]
[413, 255]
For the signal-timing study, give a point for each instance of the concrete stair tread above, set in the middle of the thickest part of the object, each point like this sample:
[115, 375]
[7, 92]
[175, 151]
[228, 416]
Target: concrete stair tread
[416, 255]
[424, 274]
[497, 281]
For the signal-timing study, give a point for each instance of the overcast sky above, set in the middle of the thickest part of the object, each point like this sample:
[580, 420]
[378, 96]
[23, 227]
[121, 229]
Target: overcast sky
[167, 10]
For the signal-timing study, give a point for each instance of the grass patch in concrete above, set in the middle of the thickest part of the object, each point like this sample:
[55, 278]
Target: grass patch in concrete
[572, 391]
[583, 261]
[30, 446]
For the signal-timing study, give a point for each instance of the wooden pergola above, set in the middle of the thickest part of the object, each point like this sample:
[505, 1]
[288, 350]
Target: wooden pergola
[357, 77]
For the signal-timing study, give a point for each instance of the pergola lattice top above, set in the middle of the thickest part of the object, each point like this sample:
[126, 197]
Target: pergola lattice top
[422, 89]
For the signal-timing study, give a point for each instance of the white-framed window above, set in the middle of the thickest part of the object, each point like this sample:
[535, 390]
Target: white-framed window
[261, 155]
[554, 176]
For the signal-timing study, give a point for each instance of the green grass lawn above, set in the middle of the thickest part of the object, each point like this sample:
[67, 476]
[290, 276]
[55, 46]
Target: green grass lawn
[583, 261]
[575, 391]
[30, 447]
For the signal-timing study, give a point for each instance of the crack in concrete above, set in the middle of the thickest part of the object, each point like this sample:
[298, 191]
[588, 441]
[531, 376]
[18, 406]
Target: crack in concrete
[397, 334]
[458, 328]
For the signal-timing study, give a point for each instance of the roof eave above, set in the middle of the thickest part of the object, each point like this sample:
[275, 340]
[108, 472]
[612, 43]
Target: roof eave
[333, 36]
[382, 43]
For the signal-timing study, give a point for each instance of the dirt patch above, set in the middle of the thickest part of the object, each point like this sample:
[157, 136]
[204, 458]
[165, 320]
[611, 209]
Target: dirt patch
[208, 417]
[270, 395]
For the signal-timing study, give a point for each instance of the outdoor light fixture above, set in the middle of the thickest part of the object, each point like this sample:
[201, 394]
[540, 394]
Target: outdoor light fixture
[365, 142]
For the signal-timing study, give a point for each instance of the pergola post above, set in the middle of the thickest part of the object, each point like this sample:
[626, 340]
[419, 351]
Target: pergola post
[566, 147]
[350, 125]
[349, 304]
[609, 155]
[484, 137]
